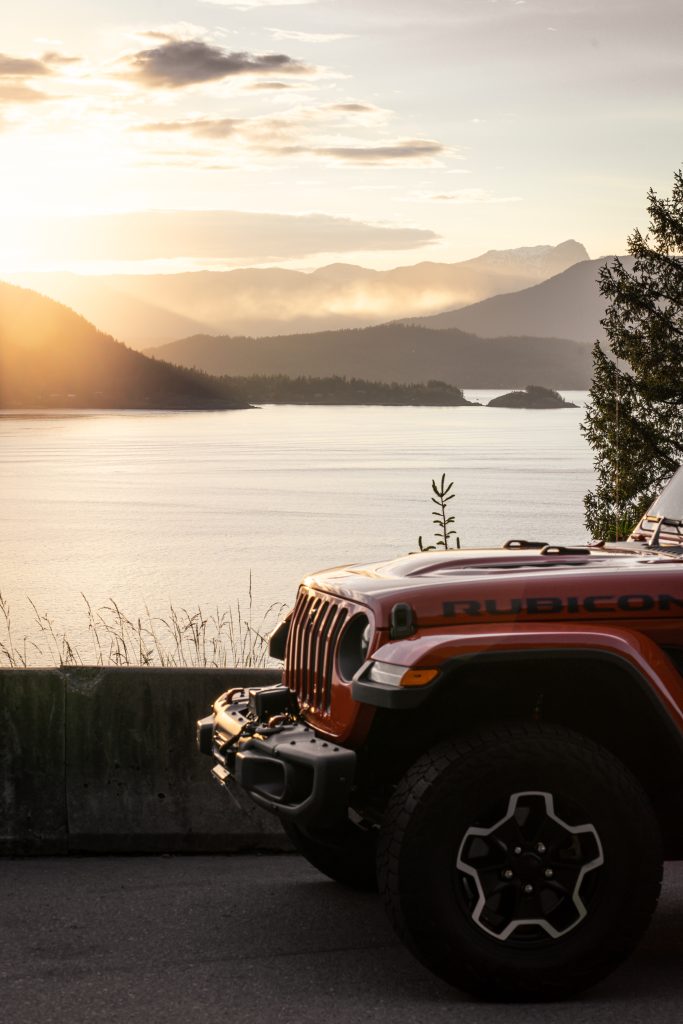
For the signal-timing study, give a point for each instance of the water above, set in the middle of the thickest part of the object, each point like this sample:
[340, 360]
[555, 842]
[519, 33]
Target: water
[154, 508]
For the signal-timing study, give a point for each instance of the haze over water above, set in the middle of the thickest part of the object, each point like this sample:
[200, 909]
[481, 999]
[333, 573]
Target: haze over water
[152, 508]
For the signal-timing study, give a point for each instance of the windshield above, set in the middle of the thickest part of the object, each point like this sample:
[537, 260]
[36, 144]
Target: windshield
[670, 502]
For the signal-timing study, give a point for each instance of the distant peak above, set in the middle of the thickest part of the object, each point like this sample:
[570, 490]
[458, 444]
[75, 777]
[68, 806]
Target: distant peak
[570, 247]
[520, 251]
[546, 260]
[575, 248]
[338, 269]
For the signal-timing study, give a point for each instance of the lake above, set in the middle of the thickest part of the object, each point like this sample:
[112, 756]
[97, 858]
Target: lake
[182, 508]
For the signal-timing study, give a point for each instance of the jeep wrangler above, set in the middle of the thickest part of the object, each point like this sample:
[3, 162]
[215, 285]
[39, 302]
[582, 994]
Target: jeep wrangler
[494, 738]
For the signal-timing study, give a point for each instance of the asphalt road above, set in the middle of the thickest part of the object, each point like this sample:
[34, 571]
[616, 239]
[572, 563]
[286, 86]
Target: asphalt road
[261, 939]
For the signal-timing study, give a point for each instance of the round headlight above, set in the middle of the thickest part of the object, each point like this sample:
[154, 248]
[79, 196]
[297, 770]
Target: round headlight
[354, 645]
[365, 640]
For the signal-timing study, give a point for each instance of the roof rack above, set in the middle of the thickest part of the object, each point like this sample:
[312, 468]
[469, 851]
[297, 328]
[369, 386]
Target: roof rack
[522, 545]
[558, 549]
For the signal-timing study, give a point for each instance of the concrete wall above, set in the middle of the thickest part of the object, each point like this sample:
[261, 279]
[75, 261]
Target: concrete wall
[104, 760]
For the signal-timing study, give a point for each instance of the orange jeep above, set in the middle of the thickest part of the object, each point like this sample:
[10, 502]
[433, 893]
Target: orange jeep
[494, 737]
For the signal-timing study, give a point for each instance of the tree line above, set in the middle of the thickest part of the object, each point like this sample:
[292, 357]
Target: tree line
[339, 390]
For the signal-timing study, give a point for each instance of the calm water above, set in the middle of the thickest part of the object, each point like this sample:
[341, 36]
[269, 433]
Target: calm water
[152, 508]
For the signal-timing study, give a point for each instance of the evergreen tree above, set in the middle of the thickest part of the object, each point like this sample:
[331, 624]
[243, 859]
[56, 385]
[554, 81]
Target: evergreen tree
[634, 420]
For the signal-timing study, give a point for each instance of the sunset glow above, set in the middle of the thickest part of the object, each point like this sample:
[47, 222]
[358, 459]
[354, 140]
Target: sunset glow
[419, 135]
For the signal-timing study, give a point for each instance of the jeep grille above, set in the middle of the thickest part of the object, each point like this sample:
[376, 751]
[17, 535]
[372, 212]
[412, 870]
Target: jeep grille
[316, 624]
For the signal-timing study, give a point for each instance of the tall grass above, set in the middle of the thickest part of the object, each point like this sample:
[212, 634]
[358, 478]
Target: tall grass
[179, 638]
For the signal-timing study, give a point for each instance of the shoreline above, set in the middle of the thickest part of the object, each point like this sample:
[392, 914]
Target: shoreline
[221, 407]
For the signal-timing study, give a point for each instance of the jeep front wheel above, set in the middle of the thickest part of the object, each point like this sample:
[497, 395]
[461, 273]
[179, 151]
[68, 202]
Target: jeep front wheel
[521, 863]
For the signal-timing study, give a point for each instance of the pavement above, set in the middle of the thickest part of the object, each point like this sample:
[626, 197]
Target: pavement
[243, 939]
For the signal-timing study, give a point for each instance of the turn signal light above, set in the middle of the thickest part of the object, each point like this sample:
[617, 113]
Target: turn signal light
[419, 677]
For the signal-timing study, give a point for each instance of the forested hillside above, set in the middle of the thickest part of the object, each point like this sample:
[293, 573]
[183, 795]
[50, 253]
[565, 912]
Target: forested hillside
[51, 357]
[407, 354]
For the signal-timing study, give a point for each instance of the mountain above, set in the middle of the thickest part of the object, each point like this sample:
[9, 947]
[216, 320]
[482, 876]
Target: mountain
[406, 353]
[568, 305]
[50, 356]
[149, 309]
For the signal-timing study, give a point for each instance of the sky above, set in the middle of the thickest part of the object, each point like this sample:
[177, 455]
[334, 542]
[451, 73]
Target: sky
[148, 135]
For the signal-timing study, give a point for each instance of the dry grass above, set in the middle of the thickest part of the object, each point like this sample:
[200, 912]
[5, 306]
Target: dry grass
[180, 638]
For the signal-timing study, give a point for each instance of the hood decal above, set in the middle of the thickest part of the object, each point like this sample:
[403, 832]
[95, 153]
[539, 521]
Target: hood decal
[561, 605]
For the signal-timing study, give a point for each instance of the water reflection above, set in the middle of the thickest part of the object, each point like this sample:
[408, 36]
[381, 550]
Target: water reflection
[152, 508]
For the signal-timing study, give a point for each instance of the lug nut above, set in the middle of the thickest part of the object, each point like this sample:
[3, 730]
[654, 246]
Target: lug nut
[540, 847]
[518, 850]
[549, 872]
[528, 889]
[508, 873]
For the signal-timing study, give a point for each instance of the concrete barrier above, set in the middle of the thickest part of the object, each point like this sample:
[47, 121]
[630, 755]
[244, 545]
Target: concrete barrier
[103, 760]
[32, 762]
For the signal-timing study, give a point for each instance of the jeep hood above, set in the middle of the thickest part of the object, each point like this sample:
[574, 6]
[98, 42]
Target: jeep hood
[499, 584]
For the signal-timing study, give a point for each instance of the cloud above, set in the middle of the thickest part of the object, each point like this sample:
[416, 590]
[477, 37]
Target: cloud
[208, 128]
[17, 74]
[22, 67]
[213, 234]
[288, 131]
[355, 115]
[181, 62]
[271, 85]
[309, 37]
[354, 108]
[467, 197]
[60, 59]
[308, 132]
[17, 92]
[188, 30]
[398, 152]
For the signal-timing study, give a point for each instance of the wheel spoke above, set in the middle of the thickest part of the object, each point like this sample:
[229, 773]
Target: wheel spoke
[510, 834]
[531, 817]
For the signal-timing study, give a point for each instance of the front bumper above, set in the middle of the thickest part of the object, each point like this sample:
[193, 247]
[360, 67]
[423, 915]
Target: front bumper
[282, 763]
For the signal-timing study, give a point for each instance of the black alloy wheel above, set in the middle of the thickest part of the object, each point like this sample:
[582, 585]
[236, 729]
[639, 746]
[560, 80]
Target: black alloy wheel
[520, 863]
[530, 875]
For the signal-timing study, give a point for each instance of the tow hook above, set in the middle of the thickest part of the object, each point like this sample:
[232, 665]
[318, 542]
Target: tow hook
[231, 694]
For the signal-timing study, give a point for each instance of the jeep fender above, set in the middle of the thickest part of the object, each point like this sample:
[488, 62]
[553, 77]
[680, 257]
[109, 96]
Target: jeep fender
[379, 681]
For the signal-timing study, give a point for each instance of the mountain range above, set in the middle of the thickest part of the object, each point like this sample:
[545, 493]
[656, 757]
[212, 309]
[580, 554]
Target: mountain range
[52, 357]
[542, 333]
[568, 305]
[406, 353]
[145, 310]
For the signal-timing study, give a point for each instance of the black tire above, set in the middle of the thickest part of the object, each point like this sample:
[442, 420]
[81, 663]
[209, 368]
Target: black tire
[477, 895]
[347, 854]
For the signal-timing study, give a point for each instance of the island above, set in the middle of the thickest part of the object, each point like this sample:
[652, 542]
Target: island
[533, 397]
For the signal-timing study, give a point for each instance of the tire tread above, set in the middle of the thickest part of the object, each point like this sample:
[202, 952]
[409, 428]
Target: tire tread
[424, 788]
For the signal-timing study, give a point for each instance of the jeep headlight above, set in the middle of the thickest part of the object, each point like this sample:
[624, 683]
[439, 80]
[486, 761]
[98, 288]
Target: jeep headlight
[354, 645]
[277, 641]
